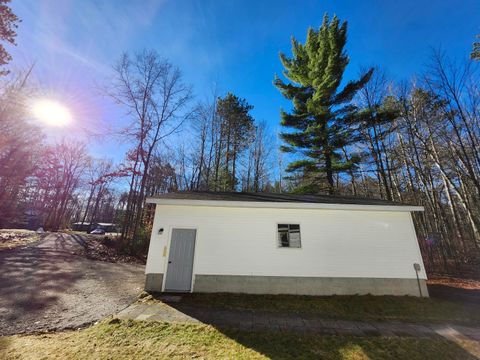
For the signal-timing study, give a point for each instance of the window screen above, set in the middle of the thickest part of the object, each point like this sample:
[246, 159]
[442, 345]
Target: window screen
[289, 235]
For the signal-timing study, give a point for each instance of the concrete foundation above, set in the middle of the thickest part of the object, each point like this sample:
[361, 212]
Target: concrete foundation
[297, 285]
[153, 282]
[308, 285]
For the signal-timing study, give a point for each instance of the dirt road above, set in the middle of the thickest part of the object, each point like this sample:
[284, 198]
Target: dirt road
[48, 286]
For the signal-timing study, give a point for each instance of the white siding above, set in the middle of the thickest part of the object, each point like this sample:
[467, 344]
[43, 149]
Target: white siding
[335, 243]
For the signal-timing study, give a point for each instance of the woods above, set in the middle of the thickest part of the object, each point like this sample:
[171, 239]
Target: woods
[413, 141]
[226, 134]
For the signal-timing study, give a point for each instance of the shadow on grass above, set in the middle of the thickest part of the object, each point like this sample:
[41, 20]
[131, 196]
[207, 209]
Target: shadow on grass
[139, 339]
[285, 345]
[357, 308]
[248, 319]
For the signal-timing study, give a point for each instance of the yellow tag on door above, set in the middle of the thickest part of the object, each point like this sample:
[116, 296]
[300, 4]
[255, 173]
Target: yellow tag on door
[164, 251]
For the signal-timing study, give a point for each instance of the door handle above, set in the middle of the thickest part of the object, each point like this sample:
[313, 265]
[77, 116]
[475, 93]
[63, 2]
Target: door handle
[169, 262]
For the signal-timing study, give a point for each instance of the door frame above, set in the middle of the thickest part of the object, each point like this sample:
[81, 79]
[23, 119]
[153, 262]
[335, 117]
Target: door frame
[169, 241]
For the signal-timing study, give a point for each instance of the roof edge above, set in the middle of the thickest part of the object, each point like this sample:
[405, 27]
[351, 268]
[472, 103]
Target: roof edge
[283, 205]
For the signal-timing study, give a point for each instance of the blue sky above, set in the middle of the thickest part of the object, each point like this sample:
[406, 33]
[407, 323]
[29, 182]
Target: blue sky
[233, 44]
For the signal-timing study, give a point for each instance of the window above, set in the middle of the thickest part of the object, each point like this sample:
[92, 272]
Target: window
[289, 235]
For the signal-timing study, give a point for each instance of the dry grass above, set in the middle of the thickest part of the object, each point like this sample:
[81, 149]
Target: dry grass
[144, 340]
[11, 238]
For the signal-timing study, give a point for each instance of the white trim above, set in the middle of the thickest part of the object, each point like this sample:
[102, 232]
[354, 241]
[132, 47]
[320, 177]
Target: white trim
[417, 246]
[165, 262]
[283, 205]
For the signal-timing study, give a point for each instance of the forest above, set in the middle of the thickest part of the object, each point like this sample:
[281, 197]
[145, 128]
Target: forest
[415, 141]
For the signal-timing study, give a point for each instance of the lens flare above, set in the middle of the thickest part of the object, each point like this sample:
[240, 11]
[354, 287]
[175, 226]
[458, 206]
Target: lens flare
[51, 113]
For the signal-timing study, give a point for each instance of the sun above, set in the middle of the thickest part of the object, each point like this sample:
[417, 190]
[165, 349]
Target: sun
[51, 113]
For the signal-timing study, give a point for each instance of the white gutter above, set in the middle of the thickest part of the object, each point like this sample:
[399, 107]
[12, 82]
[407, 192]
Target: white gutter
[283, 205]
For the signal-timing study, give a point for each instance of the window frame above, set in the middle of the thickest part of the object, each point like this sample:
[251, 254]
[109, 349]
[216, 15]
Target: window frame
[288, 222]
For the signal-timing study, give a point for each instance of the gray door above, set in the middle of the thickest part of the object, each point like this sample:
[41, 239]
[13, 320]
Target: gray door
[180, 260]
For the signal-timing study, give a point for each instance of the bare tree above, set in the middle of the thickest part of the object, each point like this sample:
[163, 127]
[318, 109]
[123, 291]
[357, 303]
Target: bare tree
[20, 143]
[377, 124]
[99, 174]
[152, 91]
[257, 170]
[57, 177]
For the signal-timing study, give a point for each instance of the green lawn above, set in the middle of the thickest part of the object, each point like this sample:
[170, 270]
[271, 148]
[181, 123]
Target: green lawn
[346, 307]
[143, 340]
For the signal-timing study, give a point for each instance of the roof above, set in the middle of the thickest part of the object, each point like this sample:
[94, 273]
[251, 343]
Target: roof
[271, 200]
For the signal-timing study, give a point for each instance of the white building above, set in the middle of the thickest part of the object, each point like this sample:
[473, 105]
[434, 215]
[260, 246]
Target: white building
[283, 244]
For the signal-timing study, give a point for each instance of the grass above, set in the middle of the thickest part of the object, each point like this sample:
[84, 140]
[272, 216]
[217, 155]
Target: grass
[11, 238]
[117, 339]
[365, 307]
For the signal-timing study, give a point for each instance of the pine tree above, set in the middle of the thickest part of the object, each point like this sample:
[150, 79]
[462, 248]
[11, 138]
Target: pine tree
[320, 124]
[475, 55]
[237, 129]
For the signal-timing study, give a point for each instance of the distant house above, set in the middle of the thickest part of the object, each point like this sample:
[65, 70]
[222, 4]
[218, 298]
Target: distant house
[283, 244]
[108, 227]
[86, 226]
[81, 226]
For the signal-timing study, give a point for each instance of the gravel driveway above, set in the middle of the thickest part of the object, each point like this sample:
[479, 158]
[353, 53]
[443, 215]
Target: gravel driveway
[46, 286]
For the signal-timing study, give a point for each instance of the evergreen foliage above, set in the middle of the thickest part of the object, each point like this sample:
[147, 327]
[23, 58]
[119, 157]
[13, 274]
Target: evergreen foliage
[237, 130]
[320, 124]
[475, 55]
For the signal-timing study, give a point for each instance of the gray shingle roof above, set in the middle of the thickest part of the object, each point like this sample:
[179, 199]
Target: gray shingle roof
[273, 197]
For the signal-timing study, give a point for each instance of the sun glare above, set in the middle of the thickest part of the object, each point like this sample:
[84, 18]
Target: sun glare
[51, 113]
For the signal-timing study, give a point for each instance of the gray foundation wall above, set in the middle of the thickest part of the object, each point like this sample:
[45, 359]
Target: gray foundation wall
[153, 282]
[308, 285]
[297, 285]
